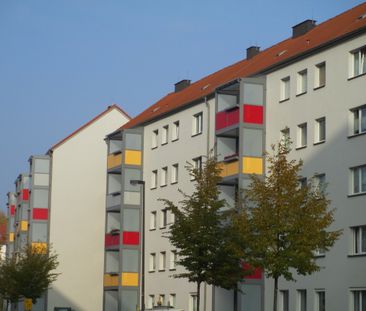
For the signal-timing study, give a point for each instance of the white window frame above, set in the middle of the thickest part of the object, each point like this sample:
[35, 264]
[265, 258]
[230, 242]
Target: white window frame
[357, 174]
[197, 164]
[354, 292]
[285, 136]
[165, 135]
[175, 173]
[151, 301]
[175, 131]
[163, 218]
[299, 299]
[153, 220]
[302, 82]
[154, 139]
[320, 69]
[318, 293]
[192, 303]
[162, 261]
[152, 262]
[164, 176]
[161, 300]
[319, 124]
[284, 300]
[173, 260]
[358, 69]
[357, 242]
[358, 114]
[172, 299]
[302, 135]
[319, 182]
[285, 88]
[154, 179]
[197, 124]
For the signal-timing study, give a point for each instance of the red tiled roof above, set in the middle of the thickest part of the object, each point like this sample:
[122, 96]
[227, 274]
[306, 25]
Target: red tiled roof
[323, 34]
[109, 108]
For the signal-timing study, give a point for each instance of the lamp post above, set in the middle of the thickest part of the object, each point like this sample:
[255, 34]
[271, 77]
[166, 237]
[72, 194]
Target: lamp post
[136, 182]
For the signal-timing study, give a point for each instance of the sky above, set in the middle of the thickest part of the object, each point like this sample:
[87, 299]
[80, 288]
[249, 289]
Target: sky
[62, 62]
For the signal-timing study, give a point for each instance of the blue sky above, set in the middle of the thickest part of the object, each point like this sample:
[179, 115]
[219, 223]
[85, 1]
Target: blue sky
[64, 61]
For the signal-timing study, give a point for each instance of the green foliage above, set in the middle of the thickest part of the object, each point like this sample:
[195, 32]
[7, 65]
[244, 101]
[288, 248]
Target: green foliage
[28, 275]
[204, 238]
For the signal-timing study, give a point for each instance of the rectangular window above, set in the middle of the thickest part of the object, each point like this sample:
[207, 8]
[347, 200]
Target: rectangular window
[192, 306]
[162, 261]
[172, 300]
[175, 131]
[152, 262]
[302, 137]
[150, 302]
[319, 183]
[173, 259]
[197, 164]
[285, 136]
[163, 218]
[164, 135]
[303, 182]
[320, 300]
[285, 88]
[359, 240]
[197, 124]
[154, 139]
[164, 176]
[301, 300]
[359, 120]
[284, 300]
[153, 220]
[358, 62]
[161, 300]
[319, 75]
[320, 130]
[358, 300]
[358, 179]
[174, 173]
[154, 179]
[302, 82]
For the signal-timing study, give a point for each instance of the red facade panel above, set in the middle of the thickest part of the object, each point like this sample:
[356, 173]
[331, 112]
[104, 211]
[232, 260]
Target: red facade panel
[25, 194]
[255, 275]
[253, 114]
[220, 120]
[12, 210]
[40, 213]
[227, 118]
[111, 239]
[131, 238]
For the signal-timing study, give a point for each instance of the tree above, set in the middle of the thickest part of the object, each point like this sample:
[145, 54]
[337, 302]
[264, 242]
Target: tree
[204, 238]
[283, 224]
[27, 275]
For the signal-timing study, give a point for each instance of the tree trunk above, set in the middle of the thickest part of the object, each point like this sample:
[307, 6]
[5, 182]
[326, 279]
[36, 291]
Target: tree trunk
[198, 295]
[275, 291]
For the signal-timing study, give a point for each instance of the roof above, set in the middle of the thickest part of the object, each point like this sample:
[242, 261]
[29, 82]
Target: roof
[336, 28]
[109, 108]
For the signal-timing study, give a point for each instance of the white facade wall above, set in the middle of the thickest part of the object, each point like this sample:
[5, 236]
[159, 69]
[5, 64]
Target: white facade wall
[174, 152]
[340, 272]
[77, 215]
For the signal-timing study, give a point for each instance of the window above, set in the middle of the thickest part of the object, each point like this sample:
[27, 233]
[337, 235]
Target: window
[162, 261]
[173, 259]
[153, 220]
[163, 177]
[302, 82]
[161, 300]
[154, 179]
[152, 262]
[358, 179]
[172, 300]
[301, 300]
[285, 88]
[320, 300]
[302, 135]
[154, 140]
[197, 164]
[358, 62]
[285, 137]
[359, 120]
[175, 131]
[303, 182]
[319, 183]
[174, 173]
[197, 124]
[164, 135]
[359, 240]
[150, 301]
[320, 252]
[319, 75]
[358, 300]
[192, 302]
[320, 130]
[163, 218]
[284, 300]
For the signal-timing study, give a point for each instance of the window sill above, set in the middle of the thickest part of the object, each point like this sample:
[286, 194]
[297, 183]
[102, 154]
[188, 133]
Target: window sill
[163, 227]
[357, 255]
[175, 139]
[152, 148]
[194, 135]
[172, 269]
[163, 144]
[162, 186]
[319, 256]
[152, 188]
[302, 93]
[355, 77]
[318, 87]
[356, 194]
[284, 100]
[151, 271]
[301, 147]
[173, 182]
[319, 142]
[355, 135]
[161, 270]
[152, 229]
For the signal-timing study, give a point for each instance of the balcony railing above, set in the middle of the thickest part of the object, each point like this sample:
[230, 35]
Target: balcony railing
[114, 160]
[111, 279]
[113, 199]
[112, 239]
[229, 168]
[227, 118]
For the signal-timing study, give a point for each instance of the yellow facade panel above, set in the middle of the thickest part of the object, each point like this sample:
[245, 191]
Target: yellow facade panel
[228, 169]
[130, 279]
[114, 160]
[24, 225]
[252, 165]
[110, 280]
[11, 236]
[39, 247]
[133, 157]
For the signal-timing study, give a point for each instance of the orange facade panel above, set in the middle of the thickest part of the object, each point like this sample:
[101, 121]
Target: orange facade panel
[114, 160]
[110, 280]
[229, 168]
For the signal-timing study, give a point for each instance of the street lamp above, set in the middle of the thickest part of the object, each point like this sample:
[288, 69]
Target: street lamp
[136, 182]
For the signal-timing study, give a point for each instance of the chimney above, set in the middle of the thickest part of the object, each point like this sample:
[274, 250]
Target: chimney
[302, 28]
[181, 85]
[252, 51]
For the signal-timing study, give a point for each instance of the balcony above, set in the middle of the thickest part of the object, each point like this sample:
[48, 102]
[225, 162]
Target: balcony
[114, 200]
[111, 262]
[227, 118]
[114, 161]
[112, 239]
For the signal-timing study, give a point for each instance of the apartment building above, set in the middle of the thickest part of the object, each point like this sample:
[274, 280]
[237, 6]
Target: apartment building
[60, 202]
[310, 87]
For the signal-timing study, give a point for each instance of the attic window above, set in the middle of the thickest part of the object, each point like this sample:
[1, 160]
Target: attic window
[281, 53]
[156, 109]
